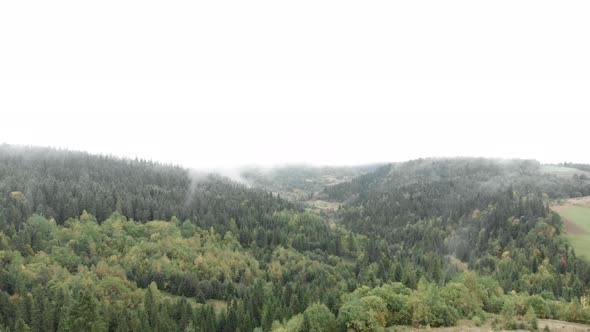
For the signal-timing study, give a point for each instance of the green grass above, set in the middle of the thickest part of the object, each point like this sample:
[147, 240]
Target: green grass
[577, 214]
[582, 245]
[323, 205]
[562, 171]
[218, 305]
[580, 216]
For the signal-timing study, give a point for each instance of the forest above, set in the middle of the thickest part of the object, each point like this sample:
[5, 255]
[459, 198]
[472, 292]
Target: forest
[100, 243]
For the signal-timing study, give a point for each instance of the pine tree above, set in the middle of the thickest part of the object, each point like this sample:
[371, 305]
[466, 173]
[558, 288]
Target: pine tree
[84, 313]
[37, 313]
[150, 304]
[231, 322]
[21, 326]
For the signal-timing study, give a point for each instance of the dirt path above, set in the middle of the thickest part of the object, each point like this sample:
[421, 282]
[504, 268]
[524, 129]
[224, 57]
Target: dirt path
[468, 326]
[573, 228]
[556, 325]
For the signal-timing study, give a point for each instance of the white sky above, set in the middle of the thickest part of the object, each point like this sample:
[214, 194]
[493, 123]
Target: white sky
[226, 83]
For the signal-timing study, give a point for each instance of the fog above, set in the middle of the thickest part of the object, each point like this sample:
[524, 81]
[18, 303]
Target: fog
[221, 85]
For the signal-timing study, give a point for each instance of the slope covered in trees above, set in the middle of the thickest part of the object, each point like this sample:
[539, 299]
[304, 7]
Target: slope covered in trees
[106, 244]
[62, 184]
[475, 209]
[259, 254]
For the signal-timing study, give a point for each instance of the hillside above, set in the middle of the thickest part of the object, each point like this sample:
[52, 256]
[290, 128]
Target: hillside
[62, 184]
[477, 210]
[106, 244]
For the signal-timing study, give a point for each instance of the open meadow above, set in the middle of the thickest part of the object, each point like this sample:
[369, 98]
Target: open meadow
[576, 218]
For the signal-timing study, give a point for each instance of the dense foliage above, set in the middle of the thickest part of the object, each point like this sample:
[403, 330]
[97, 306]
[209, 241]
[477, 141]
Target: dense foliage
[98, 243]
[490, 214]
[62, 184]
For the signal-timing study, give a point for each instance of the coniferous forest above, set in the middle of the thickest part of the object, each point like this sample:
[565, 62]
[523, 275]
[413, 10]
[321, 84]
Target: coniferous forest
[99, 243]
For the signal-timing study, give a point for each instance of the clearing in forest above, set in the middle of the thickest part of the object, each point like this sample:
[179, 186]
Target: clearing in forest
[576, 218]
[563, 171]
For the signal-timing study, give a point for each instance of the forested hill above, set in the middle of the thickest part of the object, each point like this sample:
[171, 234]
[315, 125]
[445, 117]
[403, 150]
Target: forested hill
[96, 243]
[62, 184]
[490, 214]
[463, 176]
[396, 196]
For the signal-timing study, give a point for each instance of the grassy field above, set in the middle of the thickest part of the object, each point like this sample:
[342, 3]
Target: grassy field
[319, 205]
[218, 305]
[563, 171]
[576, 218]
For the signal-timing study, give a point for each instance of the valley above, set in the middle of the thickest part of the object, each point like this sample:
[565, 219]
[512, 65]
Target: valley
[90, 242]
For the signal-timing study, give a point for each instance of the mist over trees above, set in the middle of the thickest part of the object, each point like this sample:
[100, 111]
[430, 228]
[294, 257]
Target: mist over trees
[98, 243]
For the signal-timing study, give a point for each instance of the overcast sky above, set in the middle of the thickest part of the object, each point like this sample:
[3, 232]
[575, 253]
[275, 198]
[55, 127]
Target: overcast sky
[226, 83]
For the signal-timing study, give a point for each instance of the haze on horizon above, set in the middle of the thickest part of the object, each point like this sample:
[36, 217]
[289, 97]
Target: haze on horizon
[323, 83]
